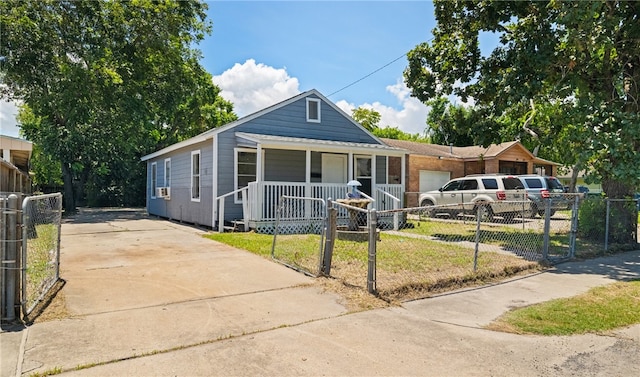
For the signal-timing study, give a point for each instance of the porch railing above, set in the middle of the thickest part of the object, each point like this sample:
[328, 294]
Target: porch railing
[263, 197]
[220, 200]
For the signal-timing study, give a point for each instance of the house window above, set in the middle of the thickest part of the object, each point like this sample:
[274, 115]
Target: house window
[167, 172]
[195, 176]
[313, 110]
[154, 179]
[245, 169]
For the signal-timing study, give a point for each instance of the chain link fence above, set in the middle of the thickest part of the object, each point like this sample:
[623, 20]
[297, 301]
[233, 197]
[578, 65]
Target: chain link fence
[30, 234]
[299, 233]
[42, 219]
[412, 252]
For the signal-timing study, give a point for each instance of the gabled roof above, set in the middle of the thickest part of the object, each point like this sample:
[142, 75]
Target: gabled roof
[214, 131]
[467, 153]
[464, 153]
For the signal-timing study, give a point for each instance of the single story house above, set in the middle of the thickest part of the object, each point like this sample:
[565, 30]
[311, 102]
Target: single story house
[429, 166]
[14, 164]
[304, 146]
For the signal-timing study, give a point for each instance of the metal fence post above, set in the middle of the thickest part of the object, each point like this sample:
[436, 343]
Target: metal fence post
[606, 225]
[11, 256]
[547, 229]
[475, 253]
[373, 236]
[332, 219]
[3, 255]
[574, 227]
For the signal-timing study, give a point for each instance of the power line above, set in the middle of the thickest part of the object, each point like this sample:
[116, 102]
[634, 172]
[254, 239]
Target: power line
[362, 78]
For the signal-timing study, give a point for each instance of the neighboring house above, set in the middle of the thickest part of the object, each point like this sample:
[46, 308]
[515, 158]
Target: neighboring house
[304, 146]
[14, 165]
[429, 166]
[565, 179]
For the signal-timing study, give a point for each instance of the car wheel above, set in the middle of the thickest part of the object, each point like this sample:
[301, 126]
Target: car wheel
[531, 212]
[485, 212]
[427, 212]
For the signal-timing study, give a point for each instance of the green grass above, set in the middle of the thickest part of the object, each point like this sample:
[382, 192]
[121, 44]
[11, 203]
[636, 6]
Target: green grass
[600, 309]
[406, 267]
[42, 248]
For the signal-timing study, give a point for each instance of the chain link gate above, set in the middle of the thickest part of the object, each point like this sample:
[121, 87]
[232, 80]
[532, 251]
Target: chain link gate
[299, 233]
[42, 220]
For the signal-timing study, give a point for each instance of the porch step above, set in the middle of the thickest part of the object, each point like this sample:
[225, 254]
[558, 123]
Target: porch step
[236, 226]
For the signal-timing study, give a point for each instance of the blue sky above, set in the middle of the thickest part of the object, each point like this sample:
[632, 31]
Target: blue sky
[261, 52]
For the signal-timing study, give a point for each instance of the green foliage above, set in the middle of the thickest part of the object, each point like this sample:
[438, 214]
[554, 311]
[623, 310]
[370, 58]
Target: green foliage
[592, 218]
[368, 118]
[395, 133]
[109, 82]
[578, 94]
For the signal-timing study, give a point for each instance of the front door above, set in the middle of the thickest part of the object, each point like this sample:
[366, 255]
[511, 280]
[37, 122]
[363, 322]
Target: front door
[334, 168]
[363, 173]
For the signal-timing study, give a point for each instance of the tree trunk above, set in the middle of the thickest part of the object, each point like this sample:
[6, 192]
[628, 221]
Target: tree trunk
[69, 192]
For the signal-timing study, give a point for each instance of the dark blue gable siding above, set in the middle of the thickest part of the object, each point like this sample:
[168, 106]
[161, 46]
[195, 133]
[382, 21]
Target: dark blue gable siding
[291, 121]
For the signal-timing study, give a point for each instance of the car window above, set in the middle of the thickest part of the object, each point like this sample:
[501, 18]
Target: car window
[490, 183]
[451, 186]
[554, 184]
[533, 183]
[469, 184]
[512, 183]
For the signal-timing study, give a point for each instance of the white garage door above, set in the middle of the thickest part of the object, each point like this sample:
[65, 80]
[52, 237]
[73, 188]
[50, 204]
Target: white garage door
[433, 180]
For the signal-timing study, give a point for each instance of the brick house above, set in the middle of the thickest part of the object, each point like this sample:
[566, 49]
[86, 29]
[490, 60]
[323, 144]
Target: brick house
[429, 166]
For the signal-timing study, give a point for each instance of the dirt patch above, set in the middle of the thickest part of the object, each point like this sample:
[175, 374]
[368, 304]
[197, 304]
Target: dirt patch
[52, 308]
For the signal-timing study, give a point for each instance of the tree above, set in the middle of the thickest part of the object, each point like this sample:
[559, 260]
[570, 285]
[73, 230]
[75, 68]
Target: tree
[569, 70]
[370, 119]
[110, 82]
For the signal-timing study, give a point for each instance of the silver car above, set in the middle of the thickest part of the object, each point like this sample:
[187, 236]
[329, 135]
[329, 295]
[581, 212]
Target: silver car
[504, 195]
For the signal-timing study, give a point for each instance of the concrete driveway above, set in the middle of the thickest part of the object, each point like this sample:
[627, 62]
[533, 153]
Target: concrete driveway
[149, 297]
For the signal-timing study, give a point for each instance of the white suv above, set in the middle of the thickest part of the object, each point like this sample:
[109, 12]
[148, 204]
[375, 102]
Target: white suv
[504, 195]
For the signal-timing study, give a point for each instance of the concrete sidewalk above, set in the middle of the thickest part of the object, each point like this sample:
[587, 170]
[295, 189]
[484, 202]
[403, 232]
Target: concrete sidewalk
[153, 298]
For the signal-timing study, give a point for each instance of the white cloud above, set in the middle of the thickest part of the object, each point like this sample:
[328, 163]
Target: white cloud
[8, 122]
[252, 87]
[411, 118]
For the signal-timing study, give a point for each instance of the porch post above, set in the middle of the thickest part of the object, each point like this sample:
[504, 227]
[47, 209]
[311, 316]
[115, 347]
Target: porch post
[350, 167]
[214, 184]
[374, 177]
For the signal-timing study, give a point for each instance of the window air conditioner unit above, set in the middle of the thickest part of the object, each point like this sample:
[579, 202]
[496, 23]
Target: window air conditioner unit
[163, 192]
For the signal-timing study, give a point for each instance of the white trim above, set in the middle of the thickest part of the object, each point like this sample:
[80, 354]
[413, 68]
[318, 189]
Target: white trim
[154, 182]
[193, 153]
[237, 200]
[318, 103]
[167, 180]
[214, 184]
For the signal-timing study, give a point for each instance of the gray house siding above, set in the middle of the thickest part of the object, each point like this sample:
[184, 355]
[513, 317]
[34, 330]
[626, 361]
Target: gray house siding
[284, 166]
[291, 121]
[180, 206]
[287, 119]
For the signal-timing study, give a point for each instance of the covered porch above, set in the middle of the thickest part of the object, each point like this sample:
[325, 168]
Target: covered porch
[269, 167]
